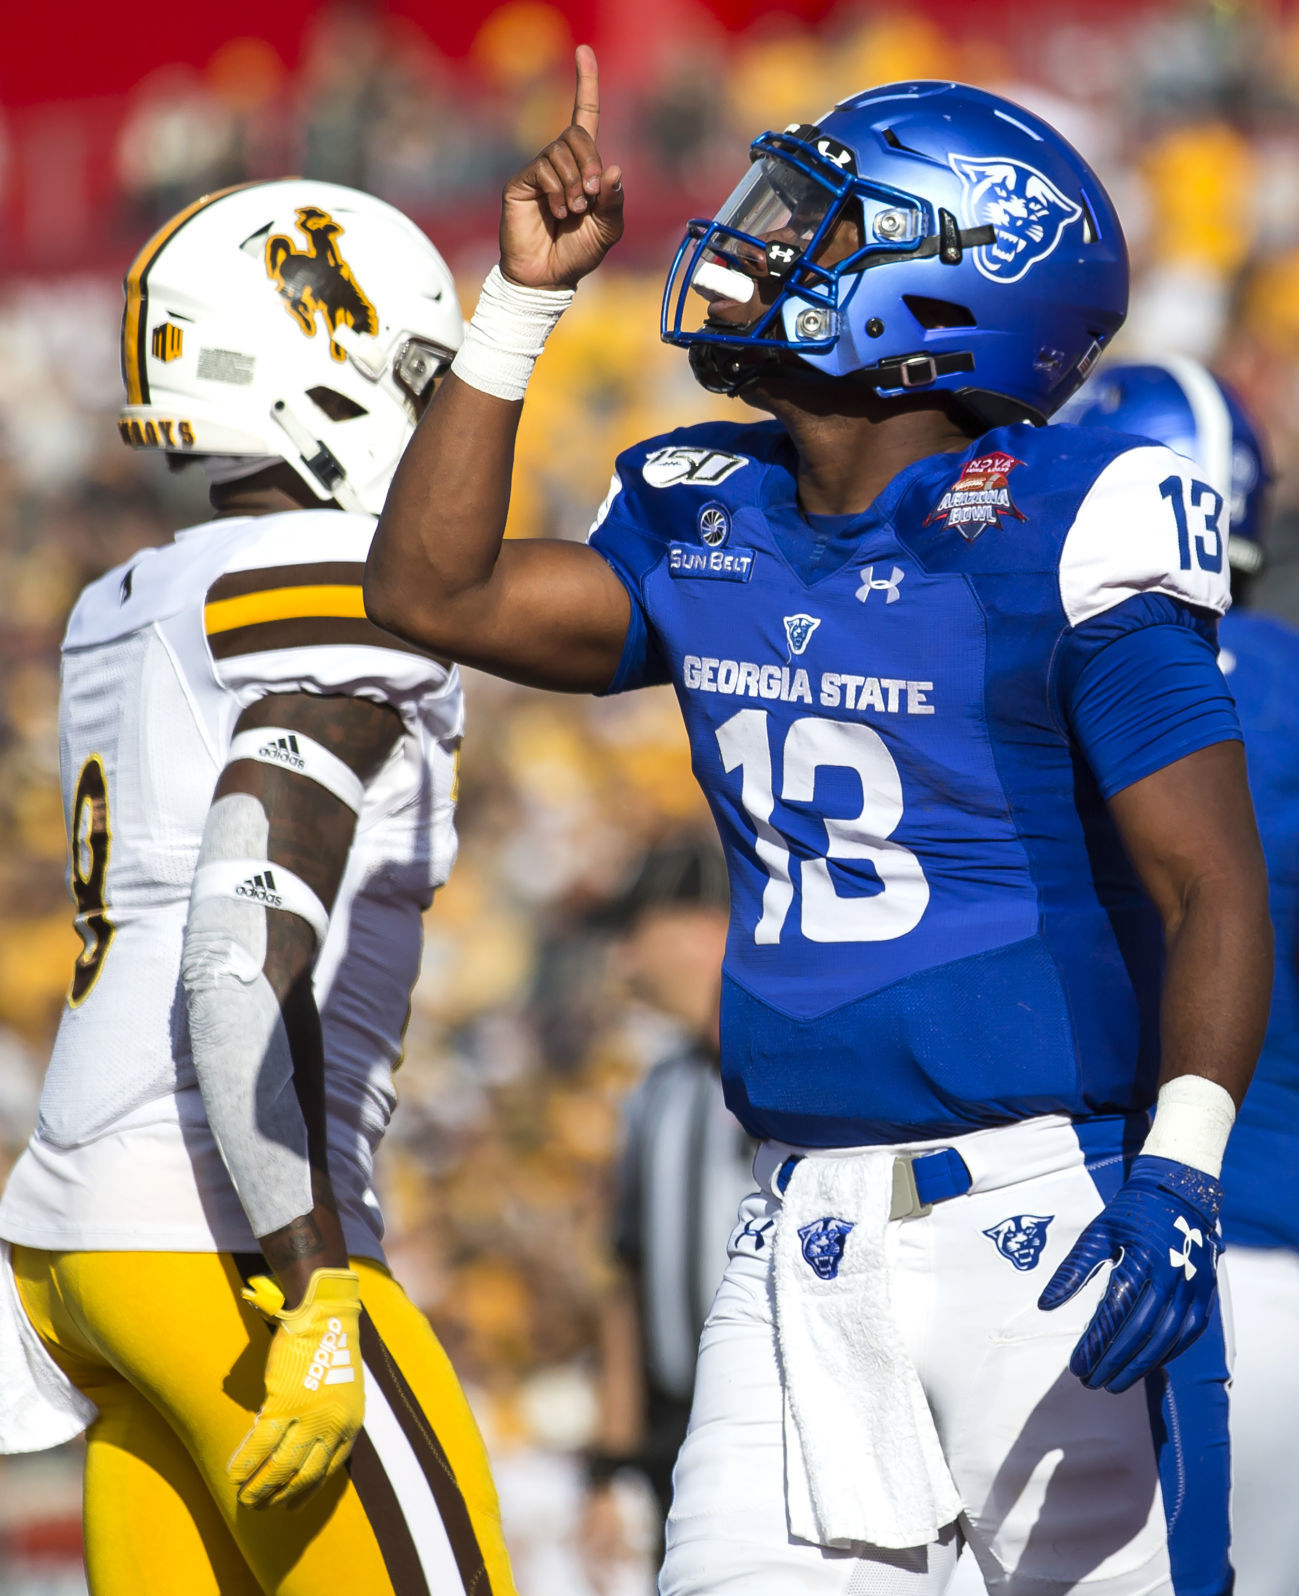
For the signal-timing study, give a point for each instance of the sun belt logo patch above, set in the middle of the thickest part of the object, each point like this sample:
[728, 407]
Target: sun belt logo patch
[1021, 1239]
[1026, 210]
[318, 279]
[979, 497]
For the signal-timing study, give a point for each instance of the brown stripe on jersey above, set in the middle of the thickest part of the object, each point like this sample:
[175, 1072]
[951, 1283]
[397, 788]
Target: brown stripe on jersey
[311, 631]
[459, 1528]
[311, 573]
[392, 1533]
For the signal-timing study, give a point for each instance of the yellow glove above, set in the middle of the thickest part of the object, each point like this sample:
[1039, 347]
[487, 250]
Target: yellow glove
[315, 1391]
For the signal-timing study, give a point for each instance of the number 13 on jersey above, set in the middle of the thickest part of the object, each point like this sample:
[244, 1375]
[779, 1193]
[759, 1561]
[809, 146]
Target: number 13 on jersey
[811, 744]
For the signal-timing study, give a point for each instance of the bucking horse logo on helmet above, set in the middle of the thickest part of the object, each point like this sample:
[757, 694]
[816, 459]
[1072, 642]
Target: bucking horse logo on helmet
[318, 279]
[1027, 212]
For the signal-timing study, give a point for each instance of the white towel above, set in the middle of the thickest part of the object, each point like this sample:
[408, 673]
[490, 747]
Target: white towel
[863, 1462]
[39, 1405]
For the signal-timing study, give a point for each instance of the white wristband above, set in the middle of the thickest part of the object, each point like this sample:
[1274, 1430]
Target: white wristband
[1193, 1119]
[508, 332]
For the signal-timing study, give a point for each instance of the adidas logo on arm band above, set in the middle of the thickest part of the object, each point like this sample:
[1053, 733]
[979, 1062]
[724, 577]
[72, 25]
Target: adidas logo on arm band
[304, 756]
[260, 881]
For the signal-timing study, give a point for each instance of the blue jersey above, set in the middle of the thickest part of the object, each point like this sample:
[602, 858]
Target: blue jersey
[907, 725]
[1261, 1174]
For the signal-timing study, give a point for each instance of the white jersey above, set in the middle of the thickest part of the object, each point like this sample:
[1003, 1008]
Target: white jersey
[161, 657]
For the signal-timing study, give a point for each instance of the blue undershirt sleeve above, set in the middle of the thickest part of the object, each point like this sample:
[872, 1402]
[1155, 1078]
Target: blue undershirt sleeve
[1139, 687]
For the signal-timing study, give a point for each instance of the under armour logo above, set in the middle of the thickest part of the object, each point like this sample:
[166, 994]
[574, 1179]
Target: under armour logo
[834, 152]
[753, 1237]
[781, 252]
[870, 583]
[1191, 1238]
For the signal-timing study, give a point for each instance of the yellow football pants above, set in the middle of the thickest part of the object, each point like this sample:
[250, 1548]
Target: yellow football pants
[173, 1358]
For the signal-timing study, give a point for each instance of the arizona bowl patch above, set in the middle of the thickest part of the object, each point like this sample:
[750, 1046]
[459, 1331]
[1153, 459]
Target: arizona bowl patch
[978, 497]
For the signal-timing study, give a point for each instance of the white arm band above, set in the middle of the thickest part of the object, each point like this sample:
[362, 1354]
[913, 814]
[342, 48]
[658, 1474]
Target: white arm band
[304, 756]
[1193, 1119]
[507, 334]
[258, 881]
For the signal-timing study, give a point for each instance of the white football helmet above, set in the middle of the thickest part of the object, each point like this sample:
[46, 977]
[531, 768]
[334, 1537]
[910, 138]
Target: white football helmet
[289, 320]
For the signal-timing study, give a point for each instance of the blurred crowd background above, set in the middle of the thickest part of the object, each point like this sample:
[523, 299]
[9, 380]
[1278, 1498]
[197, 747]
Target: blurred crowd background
[540, 1006]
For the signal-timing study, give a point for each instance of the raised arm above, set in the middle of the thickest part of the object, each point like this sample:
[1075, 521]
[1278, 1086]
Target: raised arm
[546, 612]
[274, 850]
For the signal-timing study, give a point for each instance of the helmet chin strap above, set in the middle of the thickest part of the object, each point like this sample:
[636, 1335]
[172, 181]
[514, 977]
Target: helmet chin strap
[318, 458]
[726, 369]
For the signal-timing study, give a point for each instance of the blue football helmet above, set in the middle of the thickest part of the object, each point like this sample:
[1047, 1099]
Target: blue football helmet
[1178, 402]
[986, 258]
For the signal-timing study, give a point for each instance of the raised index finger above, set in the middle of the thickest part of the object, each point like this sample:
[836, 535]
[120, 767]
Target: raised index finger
[586, 102]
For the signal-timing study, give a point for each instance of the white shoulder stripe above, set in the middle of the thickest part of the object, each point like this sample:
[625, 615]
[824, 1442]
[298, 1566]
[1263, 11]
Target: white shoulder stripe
[1148, 525]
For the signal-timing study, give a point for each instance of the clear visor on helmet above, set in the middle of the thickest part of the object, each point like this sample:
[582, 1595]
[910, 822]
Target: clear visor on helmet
[790, 230]
[775, 200]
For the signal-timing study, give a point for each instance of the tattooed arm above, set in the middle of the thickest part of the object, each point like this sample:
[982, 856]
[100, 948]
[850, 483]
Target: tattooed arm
[308, 834]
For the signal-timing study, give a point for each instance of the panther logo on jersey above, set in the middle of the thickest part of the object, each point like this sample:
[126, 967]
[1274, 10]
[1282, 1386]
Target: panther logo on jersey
[1021, 1239]
[799, 629]
[979, 497]
[823, 1244]
[318, 279]
[1026, 210]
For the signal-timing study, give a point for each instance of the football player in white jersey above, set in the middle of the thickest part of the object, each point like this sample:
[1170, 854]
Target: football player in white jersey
[259, 790]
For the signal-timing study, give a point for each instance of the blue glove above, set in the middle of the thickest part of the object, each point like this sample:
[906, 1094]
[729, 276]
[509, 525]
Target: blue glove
[1160, 1232]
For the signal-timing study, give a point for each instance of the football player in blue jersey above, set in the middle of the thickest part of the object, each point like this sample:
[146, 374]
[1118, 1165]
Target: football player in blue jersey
[951, 684]
[1178, 402]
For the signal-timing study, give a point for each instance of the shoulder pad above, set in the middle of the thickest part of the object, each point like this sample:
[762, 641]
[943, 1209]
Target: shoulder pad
[714, 460]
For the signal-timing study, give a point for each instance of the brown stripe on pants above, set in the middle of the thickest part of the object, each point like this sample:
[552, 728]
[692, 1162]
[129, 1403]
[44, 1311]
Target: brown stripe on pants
[432, 1459]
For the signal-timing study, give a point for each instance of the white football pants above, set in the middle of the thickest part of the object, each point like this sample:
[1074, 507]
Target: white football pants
[1265, 1420]
[1065, 1489]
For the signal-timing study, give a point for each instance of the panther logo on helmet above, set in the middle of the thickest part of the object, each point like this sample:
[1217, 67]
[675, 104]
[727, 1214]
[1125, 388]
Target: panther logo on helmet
[1027, 211]
[319, 279]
